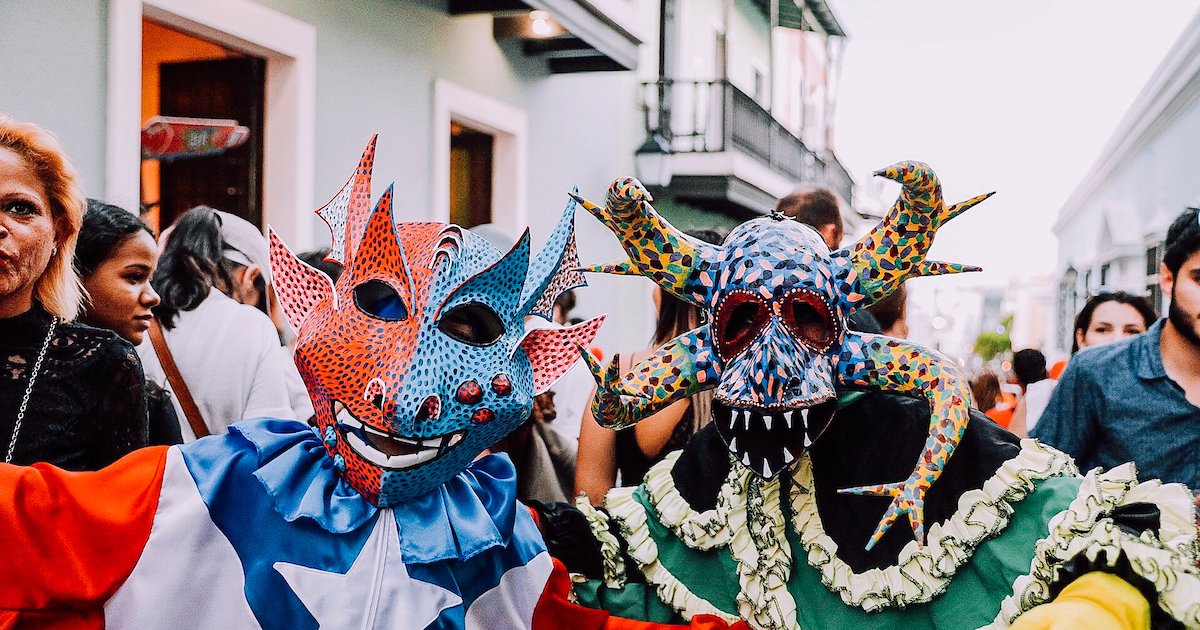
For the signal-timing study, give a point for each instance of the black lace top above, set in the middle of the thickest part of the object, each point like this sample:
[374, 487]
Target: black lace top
[88, 406]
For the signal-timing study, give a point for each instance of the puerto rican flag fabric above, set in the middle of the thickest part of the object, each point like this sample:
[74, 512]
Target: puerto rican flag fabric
[190, 537]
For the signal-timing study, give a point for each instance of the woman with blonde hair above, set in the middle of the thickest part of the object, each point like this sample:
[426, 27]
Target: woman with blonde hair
[70, 395]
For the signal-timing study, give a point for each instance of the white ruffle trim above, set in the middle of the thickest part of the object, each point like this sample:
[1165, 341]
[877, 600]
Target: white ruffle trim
[923, 572]
[631, 517]
[1086, 527]
[610, 547]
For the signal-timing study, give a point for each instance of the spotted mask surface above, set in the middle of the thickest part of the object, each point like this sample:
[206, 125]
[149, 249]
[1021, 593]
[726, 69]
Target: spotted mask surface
[418, 359]
[776, 347]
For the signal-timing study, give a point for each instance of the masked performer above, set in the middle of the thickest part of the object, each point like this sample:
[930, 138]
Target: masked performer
[844, 481]
[382, 516]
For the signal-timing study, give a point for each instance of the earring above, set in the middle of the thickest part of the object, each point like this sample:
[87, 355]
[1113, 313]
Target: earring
[54, 252]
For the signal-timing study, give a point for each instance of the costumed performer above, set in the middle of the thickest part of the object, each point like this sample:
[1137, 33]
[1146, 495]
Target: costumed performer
[784, 511]
[383, 515]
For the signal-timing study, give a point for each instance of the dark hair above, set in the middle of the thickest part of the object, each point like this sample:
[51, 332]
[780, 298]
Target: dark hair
[1083, 320]
[676, 316]
[316, 260]
[890, 309]
[105, 228]
[1029, 366]
[985, 389]
[191, 264]
[812, 205]
[1183, 240]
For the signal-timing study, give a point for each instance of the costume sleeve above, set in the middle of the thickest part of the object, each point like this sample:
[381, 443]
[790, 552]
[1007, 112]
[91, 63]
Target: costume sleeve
[73, 537]
[1100, 601]
[554, 610]
[1069, 423]
[124, 421]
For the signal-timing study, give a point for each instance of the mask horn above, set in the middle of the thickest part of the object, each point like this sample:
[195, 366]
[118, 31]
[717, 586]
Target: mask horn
[552, 351]
[348, 212]
[895, 250]
[299, 286]
[555, 270]
[656, 248]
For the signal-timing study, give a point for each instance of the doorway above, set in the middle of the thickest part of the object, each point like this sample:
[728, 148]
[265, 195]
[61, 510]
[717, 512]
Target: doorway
[186, 76]
[471, 167]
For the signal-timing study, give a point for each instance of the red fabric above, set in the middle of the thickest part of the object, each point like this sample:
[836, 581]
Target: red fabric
[73, 537]
[1003, 417]
[554, 612]
[1056, 370]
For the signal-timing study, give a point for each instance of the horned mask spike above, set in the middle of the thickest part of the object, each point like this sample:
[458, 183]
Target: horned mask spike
[298, 285]
[623, 268]
[555, 270]
[656, 249]
[347, 213]
[895, 249]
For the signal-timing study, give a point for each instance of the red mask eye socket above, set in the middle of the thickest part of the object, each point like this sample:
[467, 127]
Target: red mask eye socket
[809, 318]
[739, 320]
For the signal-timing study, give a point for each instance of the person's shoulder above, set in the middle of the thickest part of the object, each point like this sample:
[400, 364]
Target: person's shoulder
[1110, 356]
[101, 347]
[236, 318]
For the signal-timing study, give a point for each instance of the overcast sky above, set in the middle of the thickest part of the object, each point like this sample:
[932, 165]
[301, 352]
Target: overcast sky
[1017, 96]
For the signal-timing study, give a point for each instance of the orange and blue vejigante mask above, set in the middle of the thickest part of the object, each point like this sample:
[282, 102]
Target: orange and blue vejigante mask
[418, 359]
[776, 348]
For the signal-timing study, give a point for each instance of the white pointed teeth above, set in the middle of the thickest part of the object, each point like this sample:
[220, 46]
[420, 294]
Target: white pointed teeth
[766, 469]
[746, 459]
[807, 440]
[733, 445]
[767, 419]
[745, 420]
[788, 457]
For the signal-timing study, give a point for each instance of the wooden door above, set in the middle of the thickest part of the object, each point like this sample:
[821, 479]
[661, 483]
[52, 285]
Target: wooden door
[232, 181]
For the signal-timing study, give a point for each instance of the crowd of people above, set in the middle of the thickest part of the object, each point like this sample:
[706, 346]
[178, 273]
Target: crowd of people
[114, 338]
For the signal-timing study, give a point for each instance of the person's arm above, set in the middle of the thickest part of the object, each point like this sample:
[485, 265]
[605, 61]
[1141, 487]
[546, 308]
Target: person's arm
[1068, 423]
[73, 537]
[123, 418]
[653, 433]
[596, 463]
[1017, 424]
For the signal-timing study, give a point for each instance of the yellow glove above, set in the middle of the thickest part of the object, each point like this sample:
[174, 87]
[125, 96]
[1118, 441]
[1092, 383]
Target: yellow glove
[1098, 601]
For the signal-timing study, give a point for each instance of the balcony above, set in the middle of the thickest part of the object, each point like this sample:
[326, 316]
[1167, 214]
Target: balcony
[729, 153]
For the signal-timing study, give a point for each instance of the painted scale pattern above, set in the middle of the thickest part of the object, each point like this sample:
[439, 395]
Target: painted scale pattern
[777, 343]
[377, 360]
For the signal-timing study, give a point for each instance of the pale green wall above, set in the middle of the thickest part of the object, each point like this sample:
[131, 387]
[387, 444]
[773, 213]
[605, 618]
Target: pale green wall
[53, 64]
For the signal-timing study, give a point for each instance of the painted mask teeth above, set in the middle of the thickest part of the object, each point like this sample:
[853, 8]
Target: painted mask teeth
[424, 449]
[767, 442]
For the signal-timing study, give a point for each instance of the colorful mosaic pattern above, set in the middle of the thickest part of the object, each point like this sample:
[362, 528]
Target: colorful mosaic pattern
[417, 359]
[776, 349]
[895, 250]
[878, 362]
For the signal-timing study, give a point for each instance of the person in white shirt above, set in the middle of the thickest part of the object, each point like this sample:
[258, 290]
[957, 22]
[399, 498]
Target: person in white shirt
[227, 351]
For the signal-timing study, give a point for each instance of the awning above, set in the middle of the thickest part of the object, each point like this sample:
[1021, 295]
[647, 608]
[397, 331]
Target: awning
[818, 18]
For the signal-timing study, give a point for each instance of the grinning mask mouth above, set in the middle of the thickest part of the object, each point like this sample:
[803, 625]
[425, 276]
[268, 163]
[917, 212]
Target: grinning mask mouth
[766, 441]
[391, 451]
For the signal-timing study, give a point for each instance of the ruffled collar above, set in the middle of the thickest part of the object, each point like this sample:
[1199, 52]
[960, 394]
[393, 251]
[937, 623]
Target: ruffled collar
[472, 512]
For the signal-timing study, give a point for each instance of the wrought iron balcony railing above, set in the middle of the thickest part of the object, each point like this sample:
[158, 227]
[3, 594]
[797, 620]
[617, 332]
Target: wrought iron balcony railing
[715, 116]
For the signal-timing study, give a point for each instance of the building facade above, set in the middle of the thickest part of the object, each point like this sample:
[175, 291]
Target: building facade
[740, 109]
[1110, 231]
[488, 111]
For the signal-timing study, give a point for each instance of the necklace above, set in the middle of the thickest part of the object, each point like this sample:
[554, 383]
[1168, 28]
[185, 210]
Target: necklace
[37, 368]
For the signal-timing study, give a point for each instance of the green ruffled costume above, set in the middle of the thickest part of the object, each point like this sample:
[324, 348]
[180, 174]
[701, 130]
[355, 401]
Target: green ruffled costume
[761, 552]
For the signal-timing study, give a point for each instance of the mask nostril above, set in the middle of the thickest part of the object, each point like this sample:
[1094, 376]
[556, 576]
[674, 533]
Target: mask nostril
[377, 401]
[793, 382]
